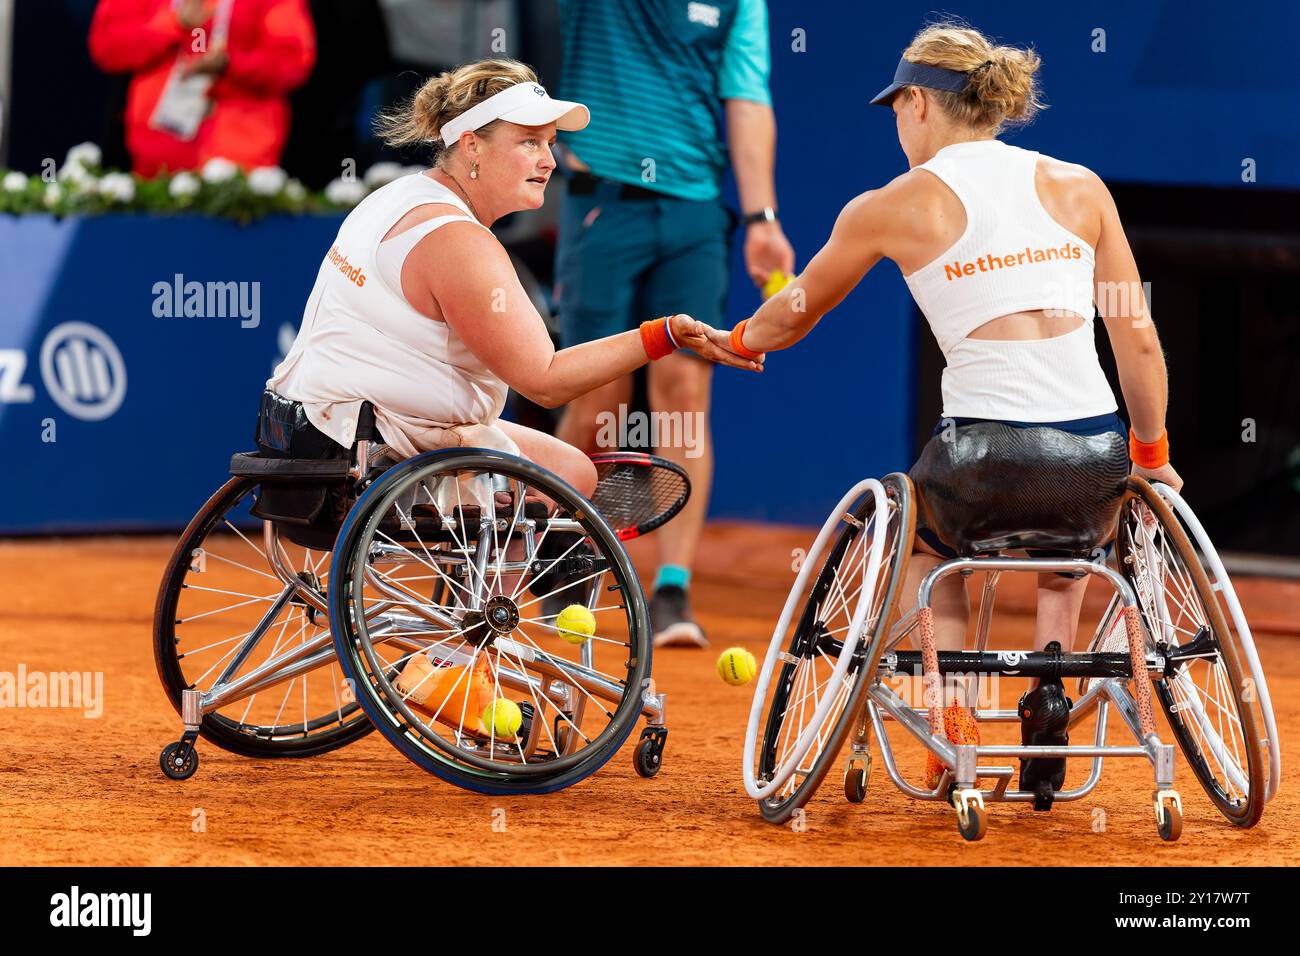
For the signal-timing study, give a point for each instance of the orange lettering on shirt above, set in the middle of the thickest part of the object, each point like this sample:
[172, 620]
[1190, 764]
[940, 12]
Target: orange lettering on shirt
[986, 263]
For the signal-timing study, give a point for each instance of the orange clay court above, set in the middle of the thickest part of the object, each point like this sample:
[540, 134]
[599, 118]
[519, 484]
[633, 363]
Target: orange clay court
[79, 791]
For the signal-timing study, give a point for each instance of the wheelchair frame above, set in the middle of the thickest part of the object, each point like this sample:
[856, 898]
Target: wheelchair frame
[1162, 661]
[562, 682]
[961, 762]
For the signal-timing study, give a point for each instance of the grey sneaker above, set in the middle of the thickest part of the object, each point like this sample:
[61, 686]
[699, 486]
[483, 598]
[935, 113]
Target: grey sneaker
[670, 616]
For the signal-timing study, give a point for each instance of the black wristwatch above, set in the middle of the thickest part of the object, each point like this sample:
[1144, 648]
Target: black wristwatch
[766, 214]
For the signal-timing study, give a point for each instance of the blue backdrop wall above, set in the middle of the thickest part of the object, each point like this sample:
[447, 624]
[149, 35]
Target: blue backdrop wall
[130, 419]
[1176, 91]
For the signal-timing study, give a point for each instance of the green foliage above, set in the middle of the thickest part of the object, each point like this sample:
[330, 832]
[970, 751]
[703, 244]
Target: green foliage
[222, 190]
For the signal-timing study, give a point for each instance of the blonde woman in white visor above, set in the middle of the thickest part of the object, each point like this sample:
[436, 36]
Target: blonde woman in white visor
[417, 309]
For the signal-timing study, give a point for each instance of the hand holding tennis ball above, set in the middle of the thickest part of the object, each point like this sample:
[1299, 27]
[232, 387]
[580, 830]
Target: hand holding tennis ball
[575, 624]
[737, 666]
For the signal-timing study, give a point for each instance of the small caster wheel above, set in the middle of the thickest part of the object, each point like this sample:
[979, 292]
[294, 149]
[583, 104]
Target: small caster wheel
[855, 779]
[648, 758]
[174, 765]
[1169, 815]
[972, 818]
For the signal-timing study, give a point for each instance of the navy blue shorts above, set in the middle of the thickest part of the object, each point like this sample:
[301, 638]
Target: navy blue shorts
[622, 261]
[1096, 425]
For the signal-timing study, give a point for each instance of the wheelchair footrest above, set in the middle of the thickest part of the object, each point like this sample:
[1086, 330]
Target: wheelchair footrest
[1015, 663]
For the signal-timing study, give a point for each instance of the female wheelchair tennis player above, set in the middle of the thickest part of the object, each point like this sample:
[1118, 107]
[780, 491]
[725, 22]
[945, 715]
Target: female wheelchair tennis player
[470, 601]
[1004, 251]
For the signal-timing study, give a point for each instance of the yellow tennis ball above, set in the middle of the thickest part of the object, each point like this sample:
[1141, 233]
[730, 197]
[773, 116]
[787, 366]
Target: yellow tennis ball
[737, 666]
[776, 281]
[576, 624]
[503, 716]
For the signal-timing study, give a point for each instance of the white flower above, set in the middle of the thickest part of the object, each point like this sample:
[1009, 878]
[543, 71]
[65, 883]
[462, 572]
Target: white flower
[218, 170]
[183, 185]
[15, 182]
[117, 187]
[381, 174]
[53, 193]
[345, 192]
[84, 155]
[267, 180]
[84, 183]
[77, 175]
[295, 190]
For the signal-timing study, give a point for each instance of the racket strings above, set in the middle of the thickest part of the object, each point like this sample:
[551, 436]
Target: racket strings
[630, 495]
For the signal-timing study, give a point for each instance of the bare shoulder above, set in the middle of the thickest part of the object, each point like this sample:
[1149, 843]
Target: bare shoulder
[463, 239]
[915, 189]
[915, 193]
[1073, 195]
[1068, 180]
[461, 254]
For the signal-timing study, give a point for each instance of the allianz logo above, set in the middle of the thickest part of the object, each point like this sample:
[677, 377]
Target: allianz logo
[81, 367]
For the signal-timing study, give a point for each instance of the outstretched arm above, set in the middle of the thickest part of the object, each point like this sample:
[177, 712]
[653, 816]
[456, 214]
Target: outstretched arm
[470, 277]
[853, 248]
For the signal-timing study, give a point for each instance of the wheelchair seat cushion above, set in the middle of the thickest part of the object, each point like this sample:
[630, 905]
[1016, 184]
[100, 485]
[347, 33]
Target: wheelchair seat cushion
[989, 486]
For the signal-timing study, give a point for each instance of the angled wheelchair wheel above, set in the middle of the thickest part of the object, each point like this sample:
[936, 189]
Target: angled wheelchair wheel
[223, 610]
[826, 647]
[456, 578]
[1205, 698]
[1235, 618]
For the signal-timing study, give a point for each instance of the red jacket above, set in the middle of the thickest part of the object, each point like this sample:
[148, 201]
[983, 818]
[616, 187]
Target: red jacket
[271, 47]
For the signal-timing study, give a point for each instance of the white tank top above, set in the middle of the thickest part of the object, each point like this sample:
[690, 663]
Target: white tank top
[360, 340]
[1012, 257]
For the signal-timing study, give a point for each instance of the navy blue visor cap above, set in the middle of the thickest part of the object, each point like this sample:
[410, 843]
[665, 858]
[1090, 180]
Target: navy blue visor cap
[918, 74]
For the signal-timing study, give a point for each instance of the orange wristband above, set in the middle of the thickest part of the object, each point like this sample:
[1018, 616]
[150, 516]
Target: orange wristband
[1149, 454]
[738, 341]
[656, 338]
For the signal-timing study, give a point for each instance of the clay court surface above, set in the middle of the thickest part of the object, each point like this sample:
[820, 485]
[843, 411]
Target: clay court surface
[89, 792]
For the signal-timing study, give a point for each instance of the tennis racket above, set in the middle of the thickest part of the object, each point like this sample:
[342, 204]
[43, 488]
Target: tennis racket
[637, 492]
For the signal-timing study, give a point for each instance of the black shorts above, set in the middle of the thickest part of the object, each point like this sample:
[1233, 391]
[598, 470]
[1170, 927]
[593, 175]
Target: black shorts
[986, 486]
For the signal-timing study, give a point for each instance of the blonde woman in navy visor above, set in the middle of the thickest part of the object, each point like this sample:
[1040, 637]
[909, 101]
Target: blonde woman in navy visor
[1002, 249]
[417, 309]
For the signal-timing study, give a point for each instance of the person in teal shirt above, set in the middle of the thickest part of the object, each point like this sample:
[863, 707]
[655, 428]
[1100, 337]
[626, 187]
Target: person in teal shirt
[675, 88]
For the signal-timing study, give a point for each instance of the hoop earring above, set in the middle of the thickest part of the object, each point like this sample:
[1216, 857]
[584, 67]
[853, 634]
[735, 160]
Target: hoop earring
[473, 171]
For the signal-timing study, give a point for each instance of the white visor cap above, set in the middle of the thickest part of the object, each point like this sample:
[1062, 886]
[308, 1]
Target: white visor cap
[527, 104]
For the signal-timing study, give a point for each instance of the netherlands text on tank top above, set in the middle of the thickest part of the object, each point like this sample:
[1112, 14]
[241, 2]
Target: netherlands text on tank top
[1012, 257]
[360, 340]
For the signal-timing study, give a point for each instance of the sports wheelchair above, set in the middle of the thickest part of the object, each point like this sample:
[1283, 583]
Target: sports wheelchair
[1173, 631]
[300, 599]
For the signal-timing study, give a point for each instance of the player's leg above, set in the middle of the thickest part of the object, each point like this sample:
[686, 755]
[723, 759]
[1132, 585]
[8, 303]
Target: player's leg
[948, 599]
[950, 606]
[679, 389]
[555, 455]
[690, 275]
[1044, 708]
[1060, 600]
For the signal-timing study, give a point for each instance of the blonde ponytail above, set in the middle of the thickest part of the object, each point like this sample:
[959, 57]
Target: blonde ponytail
[1003, 88]
[444, 97]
